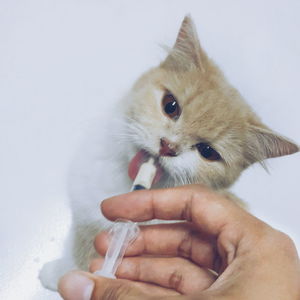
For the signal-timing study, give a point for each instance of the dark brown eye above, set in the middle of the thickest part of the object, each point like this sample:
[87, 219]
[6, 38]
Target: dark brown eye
[170, 106]
[208, 152]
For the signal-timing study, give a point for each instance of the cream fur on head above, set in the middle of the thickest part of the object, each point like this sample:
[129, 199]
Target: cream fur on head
[212, 111]
[183, 112]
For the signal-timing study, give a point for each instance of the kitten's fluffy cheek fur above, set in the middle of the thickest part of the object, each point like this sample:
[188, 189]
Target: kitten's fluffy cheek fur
[185, 165]
[189, 167]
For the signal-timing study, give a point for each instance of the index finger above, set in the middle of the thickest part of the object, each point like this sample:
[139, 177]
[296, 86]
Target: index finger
[208, 210]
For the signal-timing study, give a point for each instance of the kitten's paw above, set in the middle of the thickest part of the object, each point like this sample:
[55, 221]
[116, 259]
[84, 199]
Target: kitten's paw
[52, 271]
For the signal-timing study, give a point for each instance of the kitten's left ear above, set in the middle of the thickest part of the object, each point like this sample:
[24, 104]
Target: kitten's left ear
[187, 51]
[264, 143]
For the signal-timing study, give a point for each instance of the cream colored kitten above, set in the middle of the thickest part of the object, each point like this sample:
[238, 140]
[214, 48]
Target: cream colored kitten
[185, 113]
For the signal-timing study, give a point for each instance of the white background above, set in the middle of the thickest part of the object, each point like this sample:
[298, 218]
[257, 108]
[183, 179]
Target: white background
[61, 62]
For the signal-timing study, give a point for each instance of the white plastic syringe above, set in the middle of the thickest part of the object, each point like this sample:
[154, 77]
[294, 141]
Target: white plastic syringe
[124, 233]
[145, 176]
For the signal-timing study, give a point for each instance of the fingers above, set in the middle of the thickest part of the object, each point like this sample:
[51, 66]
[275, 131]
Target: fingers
[178, 274]
[178, 239]
[80, 285]
[208, 210]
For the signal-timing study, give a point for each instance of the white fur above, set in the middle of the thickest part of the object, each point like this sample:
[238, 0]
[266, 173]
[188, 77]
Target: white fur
[99, 170]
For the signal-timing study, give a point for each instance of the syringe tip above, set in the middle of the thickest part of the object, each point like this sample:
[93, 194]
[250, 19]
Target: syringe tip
[145, 175]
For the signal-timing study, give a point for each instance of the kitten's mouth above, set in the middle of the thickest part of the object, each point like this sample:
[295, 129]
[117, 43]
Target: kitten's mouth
[135, 163]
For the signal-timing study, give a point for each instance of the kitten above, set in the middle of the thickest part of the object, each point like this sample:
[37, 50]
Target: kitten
[185, 113]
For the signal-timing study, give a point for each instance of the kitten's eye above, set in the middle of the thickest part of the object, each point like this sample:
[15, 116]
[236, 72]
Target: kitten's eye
[170, 106]
[208, 152]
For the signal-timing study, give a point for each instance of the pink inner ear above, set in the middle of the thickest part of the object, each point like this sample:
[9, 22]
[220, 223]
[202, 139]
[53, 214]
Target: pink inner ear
[271, 143]
[135, 163]
[187, 41]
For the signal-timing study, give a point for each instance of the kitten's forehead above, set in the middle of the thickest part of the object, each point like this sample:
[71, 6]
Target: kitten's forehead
[211, 115]
[211, 108]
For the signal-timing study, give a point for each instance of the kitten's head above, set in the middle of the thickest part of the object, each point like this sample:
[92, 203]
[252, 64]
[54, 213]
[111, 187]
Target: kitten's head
[185, 113]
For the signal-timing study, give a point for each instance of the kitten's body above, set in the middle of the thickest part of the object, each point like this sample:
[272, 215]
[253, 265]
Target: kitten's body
[94, 175]
[211, 113]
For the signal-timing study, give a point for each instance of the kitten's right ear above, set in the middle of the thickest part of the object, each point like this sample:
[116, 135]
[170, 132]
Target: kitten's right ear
[187, 51]
[264, 143]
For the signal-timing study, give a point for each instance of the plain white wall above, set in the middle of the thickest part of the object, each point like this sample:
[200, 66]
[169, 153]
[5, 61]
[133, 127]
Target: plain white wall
[63, 61]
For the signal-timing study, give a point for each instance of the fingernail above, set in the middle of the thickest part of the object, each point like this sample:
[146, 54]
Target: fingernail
[76, 286]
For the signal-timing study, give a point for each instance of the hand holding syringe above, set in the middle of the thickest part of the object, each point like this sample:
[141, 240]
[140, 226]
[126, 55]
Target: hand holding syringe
[123, 233]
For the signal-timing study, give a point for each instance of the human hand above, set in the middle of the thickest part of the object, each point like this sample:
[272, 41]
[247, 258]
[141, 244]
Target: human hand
[252, 260]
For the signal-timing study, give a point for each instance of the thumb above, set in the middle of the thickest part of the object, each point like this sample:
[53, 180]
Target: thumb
[78, 285]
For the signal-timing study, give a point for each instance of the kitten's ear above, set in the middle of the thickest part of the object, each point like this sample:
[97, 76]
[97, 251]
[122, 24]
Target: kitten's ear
[187, 51]
[264, 143]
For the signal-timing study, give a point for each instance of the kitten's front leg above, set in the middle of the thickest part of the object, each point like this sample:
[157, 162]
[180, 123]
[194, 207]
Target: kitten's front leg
[78, 252]
[52, 271]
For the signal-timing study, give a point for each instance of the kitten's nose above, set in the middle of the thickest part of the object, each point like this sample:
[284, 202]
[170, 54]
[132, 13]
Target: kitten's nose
[167, 148]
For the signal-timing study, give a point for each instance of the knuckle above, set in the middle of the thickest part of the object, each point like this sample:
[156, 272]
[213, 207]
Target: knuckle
[137, 270]
[285, 242]
[187, 212]
[275, 240]
[115, 292]
[176, 280]
[185, 247]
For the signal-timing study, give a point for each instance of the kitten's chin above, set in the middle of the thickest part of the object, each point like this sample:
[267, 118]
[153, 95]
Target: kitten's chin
[135, 163]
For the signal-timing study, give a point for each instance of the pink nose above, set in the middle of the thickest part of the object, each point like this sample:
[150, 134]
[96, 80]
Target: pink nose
[167, 148]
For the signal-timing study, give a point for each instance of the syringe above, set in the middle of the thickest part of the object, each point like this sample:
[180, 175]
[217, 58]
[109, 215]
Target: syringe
[123, 233]
[145, 176]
